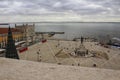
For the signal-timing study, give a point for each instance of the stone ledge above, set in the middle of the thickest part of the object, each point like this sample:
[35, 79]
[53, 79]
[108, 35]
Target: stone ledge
[11, 69]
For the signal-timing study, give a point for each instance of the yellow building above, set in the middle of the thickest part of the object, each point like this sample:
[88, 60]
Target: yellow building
[17, 36]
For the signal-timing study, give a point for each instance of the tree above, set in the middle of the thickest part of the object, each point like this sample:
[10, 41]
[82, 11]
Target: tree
[11, 51]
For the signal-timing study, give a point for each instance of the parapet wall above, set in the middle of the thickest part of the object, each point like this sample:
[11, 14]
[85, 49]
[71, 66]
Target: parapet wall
[11, 69]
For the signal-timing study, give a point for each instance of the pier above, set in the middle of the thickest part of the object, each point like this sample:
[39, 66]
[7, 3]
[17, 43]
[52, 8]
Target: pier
[50, 32]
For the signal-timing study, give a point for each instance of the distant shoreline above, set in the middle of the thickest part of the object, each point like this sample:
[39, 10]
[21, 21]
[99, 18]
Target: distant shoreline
[51, 22]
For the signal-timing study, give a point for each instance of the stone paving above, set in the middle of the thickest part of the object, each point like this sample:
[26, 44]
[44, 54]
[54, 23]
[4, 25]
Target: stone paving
[45, 52]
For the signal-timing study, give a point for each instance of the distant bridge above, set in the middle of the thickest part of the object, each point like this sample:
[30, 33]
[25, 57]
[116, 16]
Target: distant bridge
[4, 24]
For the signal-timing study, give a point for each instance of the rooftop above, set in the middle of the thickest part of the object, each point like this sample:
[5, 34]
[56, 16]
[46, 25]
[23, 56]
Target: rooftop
[5, 30]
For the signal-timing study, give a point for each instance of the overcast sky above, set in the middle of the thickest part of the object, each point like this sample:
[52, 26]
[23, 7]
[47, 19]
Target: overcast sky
[59, 10]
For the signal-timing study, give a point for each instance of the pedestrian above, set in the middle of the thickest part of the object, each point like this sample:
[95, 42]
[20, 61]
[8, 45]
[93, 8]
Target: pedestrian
[72, 64]
[94, 65]
[38, 53]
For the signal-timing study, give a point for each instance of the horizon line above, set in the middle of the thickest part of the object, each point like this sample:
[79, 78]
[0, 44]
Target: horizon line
[7, 23]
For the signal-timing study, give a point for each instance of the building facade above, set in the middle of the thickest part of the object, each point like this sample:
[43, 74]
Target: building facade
[28, 32]
[17, 36]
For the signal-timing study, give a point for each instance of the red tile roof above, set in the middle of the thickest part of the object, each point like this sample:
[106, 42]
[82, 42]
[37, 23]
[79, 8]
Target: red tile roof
[5, 30]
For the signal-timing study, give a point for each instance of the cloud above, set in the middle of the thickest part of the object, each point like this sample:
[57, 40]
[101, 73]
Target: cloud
[60, 7]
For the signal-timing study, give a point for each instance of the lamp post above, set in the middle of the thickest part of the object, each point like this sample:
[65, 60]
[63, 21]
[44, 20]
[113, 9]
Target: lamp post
[38, 56]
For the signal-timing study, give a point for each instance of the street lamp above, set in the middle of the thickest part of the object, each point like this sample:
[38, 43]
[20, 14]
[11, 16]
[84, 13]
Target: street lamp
[38, 56]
